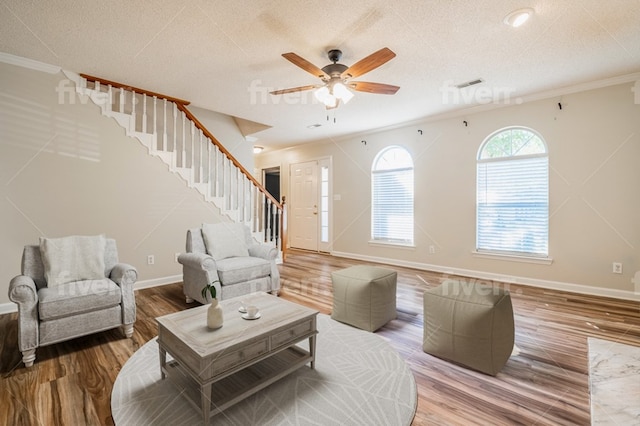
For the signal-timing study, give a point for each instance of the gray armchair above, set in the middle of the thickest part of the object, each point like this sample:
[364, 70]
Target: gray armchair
[226, 252]
[55, 313]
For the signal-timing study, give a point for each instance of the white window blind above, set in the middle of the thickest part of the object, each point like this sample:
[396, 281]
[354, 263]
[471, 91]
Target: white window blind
[513, 196]
[392, 197]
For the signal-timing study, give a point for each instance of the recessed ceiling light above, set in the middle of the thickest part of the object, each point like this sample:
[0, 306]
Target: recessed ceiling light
[518, 17]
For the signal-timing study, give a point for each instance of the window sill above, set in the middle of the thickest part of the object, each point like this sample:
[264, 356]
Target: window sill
[513, 257]
[390, 244]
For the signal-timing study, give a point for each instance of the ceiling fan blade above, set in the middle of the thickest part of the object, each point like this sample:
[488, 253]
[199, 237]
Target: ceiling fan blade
[379, 88]
[294, 89]
[305, 65]
[369, 63]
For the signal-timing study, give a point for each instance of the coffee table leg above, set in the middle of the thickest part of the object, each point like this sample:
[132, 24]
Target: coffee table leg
[163, 362]
[205, 392]
[312, 351]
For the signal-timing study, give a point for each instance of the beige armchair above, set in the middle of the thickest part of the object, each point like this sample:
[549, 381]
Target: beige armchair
[70, 287]
[227, 253]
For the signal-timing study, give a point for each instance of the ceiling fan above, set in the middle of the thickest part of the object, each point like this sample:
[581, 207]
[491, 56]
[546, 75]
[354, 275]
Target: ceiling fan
[336, 78]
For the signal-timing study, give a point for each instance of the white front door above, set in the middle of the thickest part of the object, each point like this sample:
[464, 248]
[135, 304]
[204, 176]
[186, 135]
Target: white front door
[303, 225]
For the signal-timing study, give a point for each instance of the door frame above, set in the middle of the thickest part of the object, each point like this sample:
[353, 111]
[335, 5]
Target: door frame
[325, 161]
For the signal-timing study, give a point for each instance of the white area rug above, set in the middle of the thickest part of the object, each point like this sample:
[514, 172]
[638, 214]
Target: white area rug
[359, 380]
[614, 382]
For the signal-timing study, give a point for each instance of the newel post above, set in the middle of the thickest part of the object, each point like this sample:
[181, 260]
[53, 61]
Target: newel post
[283, 227]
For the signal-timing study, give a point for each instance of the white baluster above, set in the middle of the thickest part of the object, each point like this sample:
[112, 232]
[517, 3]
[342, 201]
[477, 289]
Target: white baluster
[164, 125]
[144, 113]
[200, 168]
[223, 188]
[214, 170]
[239, 204]
[219, 173]
[232, 185]
[122, 99]
[209, 144]
[134, 101]
[183, 141]
[155, 118]
[96, 86]
[110, 95]
[267, 226]
[254, 206]
[240, 192]
[175, 128]
[249, 195]
[246, 198]
[193, 137]
[262, 202]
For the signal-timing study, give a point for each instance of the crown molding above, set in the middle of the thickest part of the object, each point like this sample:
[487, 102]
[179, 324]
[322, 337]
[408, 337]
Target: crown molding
[531, 97]
[19, 61]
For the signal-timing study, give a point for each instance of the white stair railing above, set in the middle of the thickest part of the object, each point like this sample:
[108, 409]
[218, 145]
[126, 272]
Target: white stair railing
[170, 131]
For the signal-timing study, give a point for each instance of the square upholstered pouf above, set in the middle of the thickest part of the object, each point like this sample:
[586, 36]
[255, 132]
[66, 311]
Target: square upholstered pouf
[364, 296]
[469, 324]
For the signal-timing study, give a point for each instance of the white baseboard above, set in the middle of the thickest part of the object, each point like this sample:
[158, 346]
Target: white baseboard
[8, 308]
[533, 282]
[158, 282]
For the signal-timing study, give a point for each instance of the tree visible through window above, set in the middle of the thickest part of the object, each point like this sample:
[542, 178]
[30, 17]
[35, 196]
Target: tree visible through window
[513, 193]
[392, 196]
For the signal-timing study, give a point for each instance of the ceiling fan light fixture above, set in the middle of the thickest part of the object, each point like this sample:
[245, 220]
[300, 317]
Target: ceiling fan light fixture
[331, 101]
[518, 17]
[325, 96]
[341, 92]
[322, 93]
[336, 78]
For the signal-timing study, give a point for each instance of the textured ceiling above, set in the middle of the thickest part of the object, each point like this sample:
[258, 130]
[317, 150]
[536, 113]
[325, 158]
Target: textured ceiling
[226, 55]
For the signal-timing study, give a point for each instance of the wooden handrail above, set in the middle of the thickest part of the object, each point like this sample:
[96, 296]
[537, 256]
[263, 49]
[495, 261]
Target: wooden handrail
[134, 89]
[181, 104]
[235, 162]
[281, 206]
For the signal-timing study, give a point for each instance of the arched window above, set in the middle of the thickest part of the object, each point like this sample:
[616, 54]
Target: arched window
[392, 196]
[513, 193]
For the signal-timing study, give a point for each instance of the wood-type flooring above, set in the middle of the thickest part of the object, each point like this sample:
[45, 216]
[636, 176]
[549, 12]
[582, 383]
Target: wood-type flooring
[545, 383]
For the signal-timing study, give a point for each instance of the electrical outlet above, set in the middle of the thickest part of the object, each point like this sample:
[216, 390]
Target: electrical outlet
[432, 249]
[617, 267]
[176, 258]
[151, 260]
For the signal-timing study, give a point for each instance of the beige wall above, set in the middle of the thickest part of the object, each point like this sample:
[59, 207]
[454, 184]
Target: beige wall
[65, 169]
[226, 131]
[594, 149]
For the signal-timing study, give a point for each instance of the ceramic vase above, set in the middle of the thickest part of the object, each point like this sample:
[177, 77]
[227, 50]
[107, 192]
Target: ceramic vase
[214, 315]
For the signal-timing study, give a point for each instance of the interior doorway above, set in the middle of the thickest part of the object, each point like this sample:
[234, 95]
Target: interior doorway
[271, 182]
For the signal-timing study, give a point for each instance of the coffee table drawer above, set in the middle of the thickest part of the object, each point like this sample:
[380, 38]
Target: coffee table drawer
[240, 356]
[294, 333]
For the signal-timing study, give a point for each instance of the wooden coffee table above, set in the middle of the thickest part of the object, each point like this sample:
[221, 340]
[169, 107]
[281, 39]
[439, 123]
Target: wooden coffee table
[218, 368]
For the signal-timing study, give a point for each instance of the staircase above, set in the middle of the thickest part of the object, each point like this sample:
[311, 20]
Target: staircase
[172, 133]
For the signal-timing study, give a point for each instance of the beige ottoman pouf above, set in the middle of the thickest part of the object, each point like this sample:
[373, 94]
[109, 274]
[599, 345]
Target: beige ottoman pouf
[364, 296]
[469, 324]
